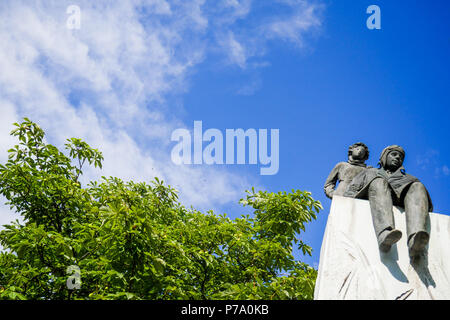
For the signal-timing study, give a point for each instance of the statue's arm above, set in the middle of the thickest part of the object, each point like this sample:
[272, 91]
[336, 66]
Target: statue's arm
[330, 183]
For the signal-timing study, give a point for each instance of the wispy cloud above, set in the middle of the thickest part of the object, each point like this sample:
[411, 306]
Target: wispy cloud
[291, 21]
[303, 17]
[109, 81]
[427, 159]
[236, 52]
[250, 87]
[430, 161]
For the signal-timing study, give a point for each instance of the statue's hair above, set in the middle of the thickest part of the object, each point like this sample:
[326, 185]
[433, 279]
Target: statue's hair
[358, 144]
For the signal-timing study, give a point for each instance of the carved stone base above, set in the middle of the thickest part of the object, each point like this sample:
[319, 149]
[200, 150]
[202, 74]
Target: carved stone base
[352, 267]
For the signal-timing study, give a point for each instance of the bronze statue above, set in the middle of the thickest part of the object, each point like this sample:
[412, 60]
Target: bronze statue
[343, 173]
[391, 185]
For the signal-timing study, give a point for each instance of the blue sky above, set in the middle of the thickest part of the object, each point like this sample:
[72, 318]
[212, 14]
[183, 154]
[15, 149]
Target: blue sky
[137, 70]
[382, 87]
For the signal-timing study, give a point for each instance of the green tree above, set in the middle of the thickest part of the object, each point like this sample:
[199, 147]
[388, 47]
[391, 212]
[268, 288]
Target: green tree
[135, 240]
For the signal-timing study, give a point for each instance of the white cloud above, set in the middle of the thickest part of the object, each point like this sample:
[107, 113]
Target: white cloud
[431, 160]
[246, 46]
[7, 215]
[250, 88]
[108, 81]
[293, 27]
[427, 159]
[8, 117]
[236, 52]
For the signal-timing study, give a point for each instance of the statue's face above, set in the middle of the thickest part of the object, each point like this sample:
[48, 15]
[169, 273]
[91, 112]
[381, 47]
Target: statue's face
[394, 160]
[358, 152]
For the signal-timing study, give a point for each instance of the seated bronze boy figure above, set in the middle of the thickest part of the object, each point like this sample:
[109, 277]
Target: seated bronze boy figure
[391, 185]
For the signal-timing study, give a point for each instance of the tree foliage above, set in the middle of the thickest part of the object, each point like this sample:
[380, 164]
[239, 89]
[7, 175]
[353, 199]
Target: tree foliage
[135, 240]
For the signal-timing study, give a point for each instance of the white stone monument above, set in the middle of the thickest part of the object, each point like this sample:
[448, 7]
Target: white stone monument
[352, 267]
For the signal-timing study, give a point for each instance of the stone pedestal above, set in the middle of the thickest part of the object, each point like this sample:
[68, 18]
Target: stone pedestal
[352, 267]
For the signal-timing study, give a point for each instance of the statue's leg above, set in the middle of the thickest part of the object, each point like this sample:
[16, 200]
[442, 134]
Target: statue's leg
[416, 210]
[380, 199]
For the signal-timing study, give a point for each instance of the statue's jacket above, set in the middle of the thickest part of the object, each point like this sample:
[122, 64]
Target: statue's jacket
[399, 181]
[343, 173]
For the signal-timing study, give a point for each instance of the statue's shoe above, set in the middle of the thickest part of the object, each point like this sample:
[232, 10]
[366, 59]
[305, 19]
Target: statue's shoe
[417, 243]
[388, 238]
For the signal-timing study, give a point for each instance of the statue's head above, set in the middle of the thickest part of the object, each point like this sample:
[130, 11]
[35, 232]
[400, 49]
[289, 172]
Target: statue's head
[358, 152]
[392, 157]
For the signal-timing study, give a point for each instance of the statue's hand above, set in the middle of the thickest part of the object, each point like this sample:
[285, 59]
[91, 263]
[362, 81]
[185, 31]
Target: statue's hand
[329, 192]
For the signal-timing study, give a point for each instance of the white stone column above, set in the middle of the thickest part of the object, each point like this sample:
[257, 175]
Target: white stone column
[352, 267]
